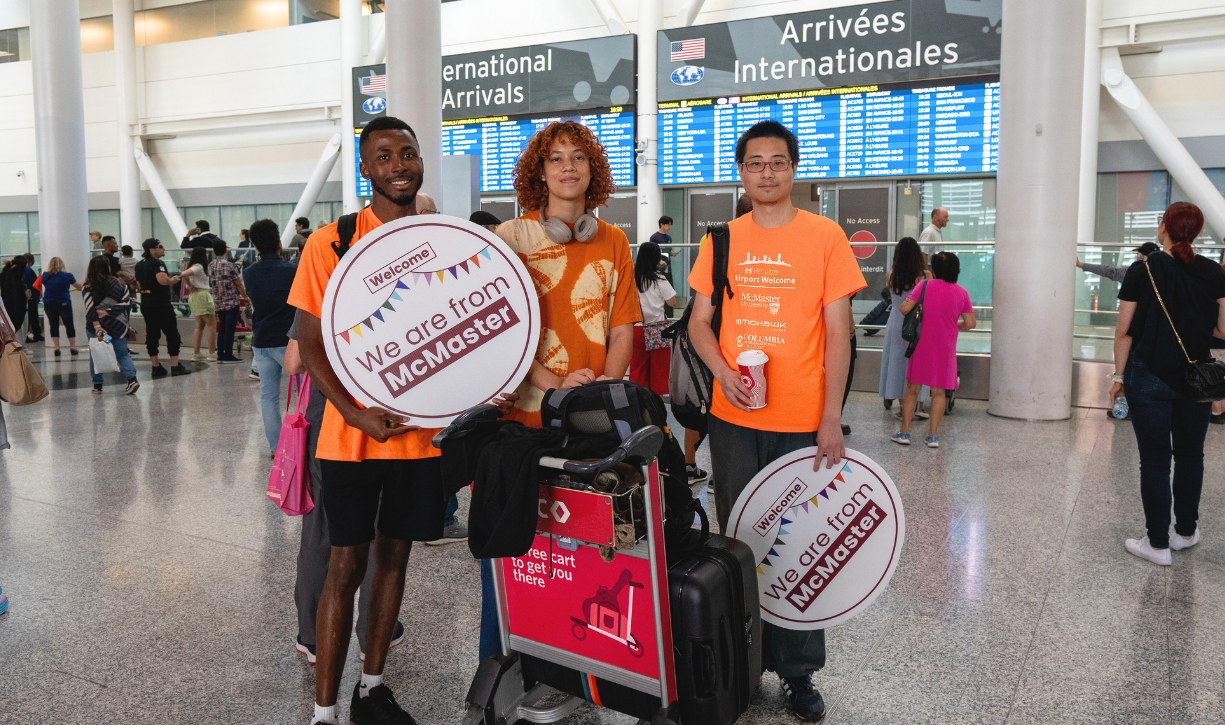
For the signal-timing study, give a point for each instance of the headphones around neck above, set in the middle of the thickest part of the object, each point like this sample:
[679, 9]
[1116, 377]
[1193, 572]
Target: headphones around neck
[557, 230]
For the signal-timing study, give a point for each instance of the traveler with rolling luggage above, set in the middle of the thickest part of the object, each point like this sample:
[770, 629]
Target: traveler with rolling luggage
[779, 355]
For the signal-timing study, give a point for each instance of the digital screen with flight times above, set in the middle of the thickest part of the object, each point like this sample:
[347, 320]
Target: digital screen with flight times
[499, 140]
[929, 128]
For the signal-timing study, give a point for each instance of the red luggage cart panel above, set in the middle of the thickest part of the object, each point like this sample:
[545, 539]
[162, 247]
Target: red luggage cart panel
[576, 514]
[604, 611]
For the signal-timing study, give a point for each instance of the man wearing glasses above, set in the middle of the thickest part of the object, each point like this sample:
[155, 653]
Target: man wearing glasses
[791, 274]
[155, 283]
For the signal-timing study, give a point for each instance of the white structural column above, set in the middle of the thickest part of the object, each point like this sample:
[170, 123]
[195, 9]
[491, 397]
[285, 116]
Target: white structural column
[1091, 100]
[125, 118]
[1036, 215]
[310, 194]
[414, 79]
[161, 195]
[350, 50]
[59, 132]
[1165, 145]
[650, 196]
[378, 40]
[688, 13]
[611, 16]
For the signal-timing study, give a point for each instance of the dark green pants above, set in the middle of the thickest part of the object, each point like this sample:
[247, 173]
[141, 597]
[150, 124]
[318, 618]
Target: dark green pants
[736, 455]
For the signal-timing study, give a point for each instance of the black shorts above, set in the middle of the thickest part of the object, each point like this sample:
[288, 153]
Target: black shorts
[412, 508]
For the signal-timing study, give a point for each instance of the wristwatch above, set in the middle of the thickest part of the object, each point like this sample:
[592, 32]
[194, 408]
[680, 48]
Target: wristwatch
[1115, 378]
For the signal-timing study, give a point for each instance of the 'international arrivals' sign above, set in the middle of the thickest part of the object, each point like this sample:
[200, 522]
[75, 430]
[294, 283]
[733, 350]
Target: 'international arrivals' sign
[858, 45]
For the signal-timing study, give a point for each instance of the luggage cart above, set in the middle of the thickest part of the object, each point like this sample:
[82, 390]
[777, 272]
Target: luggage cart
[575, 628]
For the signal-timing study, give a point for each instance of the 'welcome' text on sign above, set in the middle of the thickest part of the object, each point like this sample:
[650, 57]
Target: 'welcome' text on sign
[405, 264]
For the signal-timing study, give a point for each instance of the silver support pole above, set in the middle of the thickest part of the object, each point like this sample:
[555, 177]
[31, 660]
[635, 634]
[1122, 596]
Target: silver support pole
[125, 119]
[350, 51]
[1165, 145]
[59, 132]
[154, 181]
[311, 193]
[414, 80]
[1036, 217]
[1090, 113]
[650, 196]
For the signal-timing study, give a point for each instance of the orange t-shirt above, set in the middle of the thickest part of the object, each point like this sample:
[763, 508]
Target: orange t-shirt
[585, 290]
[339, 441]
[782, 279]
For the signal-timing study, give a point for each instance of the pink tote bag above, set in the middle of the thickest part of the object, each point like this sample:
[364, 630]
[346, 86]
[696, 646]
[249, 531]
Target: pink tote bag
[289, 481]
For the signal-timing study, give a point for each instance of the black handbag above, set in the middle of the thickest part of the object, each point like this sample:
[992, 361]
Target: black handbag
[1205, 381]
[913, 322]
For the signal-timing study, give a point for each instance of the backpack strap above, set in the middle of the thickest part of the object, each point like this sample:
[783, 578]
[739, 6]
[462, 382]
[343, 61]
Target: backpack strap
[346, 227]
[720, 237]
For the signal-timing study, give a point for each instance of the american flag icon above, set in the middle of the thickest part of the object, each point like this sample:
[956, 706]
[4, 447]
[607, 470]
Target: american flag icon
[373, 84]
[688, 49]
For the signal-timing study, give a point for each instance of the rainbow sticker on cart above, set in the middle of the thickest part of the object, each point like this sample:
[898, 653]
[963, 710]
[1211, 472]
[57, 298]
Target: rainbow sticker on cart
[827, 541]
[429, 316]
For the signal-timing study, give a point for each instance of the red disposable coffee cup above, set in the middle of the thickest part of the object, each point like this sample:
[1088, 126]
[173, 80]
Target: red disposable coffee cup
[753, 374]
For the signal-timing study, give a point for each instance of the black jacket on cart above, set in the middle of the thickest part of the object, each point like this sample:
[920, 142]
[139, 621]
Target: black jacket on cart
[502, 459]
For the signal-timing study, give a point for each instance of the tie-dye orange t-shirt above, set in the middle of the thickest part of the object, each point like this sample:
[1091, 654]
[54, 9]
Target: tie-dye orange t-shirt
[585, 290]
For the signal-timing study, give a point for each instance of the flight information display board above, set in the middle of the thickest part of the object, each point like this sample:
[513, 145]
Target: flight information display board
[499, 140]
[843, 133]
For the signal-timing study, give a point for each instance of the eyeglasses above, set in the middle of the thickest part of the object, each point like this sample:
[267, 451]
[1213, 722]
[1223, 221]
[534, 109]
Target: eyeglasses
[756, 166]
[428, 211]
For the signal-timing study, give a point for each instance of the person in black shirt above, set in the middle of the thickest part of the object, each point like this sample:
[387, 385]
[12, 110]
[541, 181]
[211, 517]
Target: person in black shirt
[268, 282]
[109, 248]
[155, 282]
[199, 236]
[1171, 305]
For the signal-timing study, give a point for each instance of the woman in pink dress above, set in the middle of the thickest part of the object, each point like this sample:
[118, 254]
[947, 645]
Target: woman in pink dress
[946, 311]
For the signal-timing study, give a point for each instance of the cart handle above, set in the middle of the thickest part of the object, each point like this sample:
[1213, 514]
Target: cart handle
[637, 448]
[482, 412]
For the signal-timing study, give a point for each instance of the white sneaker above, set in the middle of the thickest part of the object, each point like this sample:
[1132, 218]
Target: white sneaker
[1144, 550]
[1178, 543]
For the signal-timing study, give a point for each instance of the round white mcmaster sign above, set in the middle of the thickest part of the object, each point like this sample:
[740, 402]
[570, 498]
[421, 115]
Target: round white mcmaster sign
[826, 541]
[429, 316]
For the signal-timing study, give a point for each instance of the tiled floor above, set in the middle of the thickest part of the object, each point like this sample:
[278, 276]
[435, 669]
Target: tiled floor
[152, 582]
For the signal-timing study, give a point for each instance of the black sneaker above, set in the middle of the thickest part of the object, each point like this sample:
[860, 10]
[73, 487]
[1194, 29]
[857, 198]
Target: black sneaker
[397, 639]
[379, 707]
[695, 474]
[308, 650]
[160, 372]
[803, 700]
[846, 429]
[180, 369]
[1218, 419]
[132, 387]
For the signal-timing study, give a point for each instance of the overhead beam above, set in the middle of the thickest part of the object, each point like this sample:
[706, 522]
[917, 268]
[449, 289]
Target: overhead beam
[1165, 145]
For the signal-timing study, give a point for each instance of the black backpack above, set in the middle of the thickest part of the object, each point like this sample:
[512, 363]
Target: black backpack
[346, 227]
[612, 409]
[690, 381]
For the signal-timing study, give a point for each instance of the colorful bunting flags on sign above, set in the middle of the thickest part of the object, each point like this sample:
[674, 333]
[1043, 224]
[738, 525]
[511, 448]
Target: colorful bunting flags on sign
[416, 278]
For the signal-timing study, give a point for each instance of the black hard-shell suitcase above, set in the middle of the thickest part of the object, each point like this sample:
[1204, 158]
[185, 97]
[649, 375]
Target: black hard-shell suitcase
[716, 630]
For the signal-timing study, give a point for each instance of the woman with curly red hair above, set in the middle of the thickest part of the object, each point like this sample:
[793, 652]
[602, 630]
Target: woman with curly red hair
[1171, 305]
[582, 267]
[584, 276]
